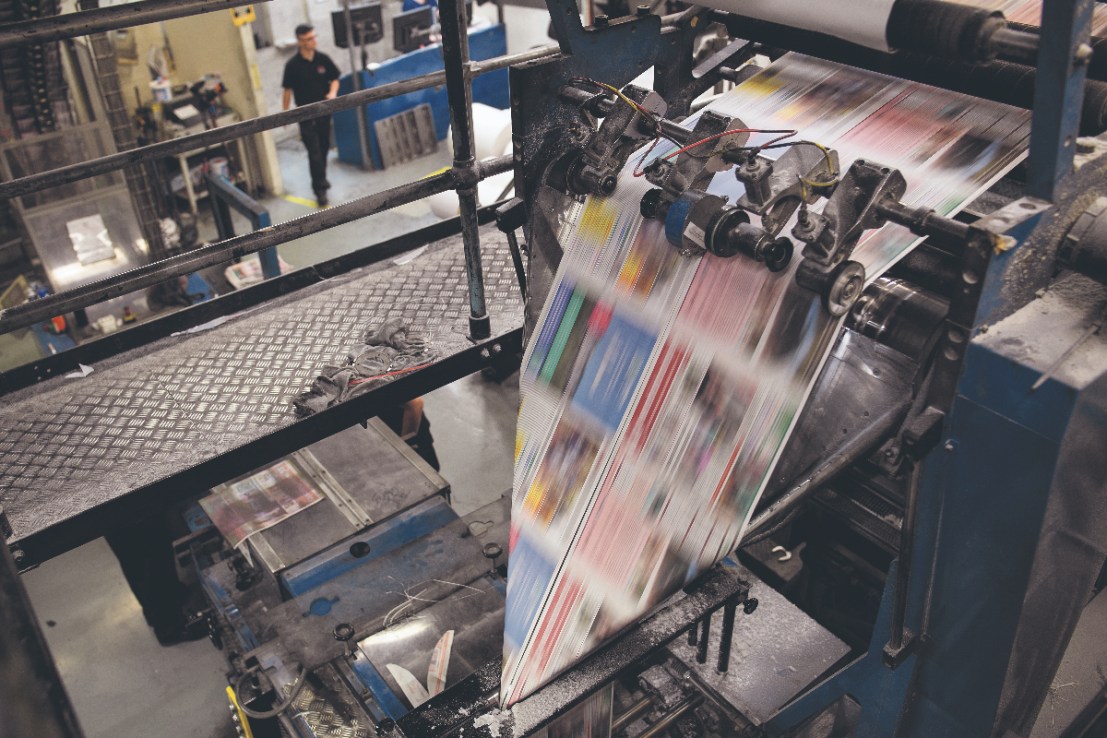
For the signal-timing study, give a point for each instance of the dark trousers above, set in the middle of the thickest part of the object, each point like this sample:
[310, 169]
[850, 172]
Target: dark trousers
[145, 552]
[316, 135]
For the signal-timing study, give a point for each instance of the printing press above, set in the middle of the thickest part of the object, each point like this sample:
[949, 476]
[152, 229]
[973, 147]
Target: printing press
[934, 526]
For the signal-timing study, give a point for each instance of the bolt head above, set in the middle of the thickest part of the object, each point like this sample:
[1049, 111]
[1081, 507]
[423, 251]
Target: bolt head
[750, 605]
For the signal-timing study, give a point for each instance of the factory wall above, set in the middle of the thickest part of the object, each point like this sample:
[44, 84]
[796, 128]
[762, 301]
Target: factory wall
[211, 43]
[190, 48]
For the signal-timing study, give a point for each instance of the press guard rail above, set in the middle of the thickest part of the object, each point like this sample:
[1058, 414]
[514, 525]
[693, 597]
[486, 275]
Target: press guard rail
[203, 139]
[111, 18]
[30, 313]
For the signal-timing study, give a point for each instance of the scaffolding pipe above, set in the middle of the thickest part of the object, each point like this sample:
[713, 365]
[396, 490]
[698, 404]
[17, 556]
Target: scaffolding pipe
[459, 93]
[111, 18]
[204, 139]
[30, 313]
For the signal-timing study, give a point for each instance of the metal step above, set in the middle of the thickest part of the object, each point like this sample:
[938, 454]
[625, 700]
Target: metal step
[190, 411]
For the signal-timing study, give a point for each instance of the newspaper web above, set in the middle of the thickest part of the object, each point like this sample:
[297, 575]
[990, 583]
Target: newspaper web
[659, 390]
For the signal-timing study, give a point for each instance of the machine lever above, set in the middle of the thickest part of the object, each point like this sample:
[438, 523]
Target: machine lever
[510, 216]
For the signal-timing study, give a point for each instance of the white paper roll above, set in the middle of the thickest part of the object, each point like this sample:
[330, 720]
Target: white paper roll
[491, 130]
[863, 22]
[444, 204]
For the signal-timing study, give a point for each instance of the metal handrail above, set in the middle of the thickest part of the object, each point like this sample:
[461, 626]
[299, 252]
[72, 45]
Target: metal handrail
[30, 313]
[173, 147]
[111, 18]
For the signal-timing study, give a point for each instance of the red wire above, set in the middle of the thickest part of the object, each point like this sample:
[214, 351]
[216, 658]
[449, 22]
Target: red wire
[702, 141]
[362, 380]
[638, 173]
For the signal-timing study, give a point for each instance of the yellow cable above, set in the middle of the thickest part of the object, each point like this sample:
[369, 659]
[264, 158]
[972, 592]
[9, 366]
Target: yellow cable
[243, 720]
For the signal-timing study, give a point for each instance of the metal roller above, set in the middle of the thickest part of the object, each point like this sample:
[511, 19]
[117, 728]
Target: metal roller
[900, 315]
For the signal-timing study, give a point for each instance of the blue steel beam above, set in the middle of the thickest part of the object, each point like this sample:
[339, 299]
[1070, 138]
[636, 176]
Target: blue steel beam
[1063, 57]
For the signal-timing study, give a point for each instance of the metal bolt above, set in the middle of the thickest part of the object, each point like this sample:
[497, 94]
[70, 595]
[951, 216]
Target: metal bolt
[750, 605]
[602, 20]
[643, 10]
[18, 555]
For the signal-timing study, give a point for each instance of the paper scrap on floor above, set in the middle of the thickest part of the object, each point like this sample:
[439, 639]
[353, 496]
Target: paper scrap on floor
[658, 390]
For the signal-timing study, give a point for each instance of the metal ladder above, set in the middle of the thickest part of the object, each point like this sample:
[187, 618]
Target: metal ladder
[122, 130]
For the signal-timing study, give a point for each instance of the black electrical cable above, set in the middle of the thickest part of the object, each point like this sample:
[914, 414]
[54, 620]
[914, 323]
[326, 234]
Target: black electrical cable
[297, 686]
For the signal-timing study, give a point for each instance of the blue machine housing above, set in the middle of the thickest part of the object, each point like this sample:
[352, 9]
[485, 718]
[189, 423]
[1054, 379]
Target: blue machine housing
[490, 89]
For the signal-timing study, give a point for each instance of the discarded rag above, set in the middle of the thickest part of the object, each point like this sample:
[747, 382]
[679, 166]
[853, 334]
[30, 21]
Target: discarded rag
[385, 352]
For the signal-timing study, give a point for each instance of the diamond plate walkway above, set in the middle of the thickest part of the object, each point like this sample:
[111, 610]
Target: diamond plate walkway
[188, 411]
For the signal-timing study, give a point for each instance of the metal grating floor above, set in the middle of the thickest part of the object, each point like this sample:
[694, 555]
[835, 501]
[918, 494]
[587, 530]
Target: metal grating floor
[68, 445]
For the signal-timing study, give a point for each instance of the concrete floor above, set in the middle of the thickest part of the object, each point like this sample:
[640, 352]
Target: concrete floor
[122, 683]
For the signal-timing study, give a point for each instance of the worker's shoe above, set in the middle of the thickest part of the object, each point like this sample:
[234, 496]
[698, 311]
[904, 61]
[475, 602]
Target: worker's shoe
[181, 633]
[321, 199]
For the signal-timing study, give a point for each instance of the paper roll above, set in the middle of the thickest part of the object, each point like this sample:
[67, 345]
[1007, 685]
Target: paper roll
[860, 21]
[491, 131]
[444, 204]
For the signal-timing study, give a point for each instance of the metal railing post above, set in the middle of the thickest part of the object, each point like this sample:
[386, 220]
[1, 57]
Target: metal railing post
[355, 80]
[455, 53]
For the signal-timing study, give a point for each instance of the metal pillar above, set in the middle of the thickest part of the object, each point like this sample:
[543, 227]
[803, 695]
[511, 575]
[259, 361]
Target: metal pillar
[455, 52]
[1063, 58]
[355, 79]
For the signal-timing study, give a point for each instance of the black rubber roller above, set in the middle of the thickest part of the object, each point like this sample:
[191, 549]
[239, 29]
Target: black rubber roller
[838, 286]
[942, 29]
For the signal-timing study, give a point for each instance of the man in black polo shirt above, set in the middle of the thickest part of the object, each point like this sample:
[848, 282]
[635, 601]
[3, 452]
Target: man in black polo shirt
[311, 76]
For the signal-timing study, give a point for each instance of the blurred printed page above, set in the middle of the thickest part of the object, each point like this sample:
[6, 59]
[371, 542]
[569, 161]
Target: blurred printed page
[658, 390]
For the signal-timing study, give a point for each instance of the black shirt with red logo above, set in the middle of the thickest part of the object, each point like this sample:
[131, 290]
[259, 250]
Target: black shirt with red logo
[309, 80]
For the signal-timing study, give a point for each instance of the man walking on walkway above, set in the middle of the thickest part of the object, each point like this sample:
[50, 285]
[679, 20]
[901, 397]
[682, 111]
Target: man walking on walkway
[311, 76]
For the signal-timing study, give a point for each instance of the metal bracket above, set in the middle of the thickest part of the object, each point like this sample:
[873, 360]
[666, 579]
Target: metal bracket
[896, 655]
[850, 211]
[774, 189]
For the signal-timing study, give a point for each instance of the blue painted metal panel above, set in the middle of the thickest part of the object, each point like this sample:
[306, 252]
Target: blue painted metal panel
[490, 89]
[999, 475]
[993, 300]
[1003, 384]
[219, 596]
[1058, 94]
[59, 342]
[385, 698]
[382, 538]
[880, 691]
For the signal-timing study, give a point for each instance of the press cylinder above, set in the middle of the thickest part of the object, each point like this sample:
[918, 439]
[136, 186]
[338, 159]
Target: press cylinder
[1084, 247]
